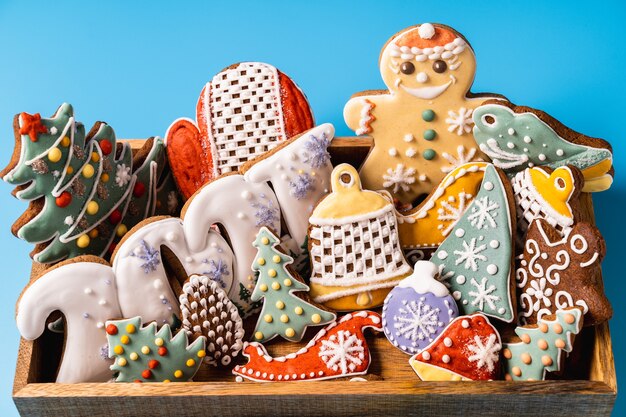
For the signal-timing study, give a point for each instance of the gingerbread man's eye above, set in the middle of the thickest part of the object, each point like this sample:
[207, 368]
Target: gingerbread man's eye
[407, 68]
[440, 66]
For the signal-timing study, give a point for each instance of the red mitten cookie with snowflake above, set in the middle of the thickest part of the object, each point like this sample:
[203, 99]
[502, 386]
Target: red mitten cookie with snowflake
[468, 349]
[244, 111]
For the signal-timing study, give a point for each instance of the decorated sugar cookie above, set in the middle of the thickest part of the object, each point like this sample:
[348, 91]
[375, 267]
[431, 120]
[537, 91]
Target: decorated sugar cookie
[143, 354]
[557, 272]
[286, 311]
[244, 111]
[85, 191]
[516, 138]
[422, 126]
[354, 246]
[468, 349]
[543, 193]
[476, 258]
[540, 347]
[418, 309]
[207, 312]
[425, 227]
[140, 264]
[83, 289]
[339, 350]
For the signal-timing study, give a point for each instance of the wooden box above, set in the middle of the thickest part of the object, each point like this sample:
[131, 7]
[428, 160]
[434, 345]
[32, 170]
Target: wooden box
[392, 388]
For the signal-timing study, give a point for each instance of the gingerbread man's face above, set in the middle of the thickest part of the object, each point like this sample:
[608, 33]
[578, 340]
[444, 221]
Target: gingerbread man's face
[427, 62]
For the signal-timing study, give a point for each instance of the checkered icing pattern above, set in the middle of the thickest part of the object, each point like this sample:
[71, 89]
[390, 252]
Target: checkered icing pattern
[366, 249]
[529, 207]
[246, 115]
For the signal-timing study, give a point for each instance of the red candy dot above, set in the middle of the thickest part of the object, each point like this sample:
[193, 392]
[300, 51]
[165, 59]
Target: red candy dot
[162, 351]
[112, 247]
[64, 199]
[106, 146]
[146, 374]
[111, 329]
[138, 381]
[139, 189]
[153, 363]
[115, 217]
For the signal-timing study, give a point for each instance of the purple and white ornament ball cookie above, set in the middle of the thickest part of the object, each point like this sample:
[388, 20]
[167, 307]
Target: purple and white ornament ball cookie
[418, 309]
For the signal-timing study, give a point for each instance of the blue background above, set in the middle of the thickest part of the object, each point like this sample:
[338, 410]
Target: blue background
[138, 67]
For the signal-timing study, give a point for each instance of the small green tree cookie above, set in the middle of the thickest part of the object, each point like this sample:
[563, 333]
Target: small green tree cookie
[284, 313]
[144, 355]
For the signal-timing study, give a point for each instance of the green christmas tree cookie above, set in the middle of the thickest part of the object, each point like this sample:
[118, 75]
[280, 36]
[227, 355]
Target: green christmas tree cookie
[144, 355]
[284, 313]
[541, 346]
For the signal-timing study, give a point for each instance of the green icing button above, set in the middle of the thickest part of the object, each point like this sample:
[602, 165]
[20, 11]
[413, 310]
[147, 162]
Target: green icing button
[429, 154]
[428, 115]
[429, 134]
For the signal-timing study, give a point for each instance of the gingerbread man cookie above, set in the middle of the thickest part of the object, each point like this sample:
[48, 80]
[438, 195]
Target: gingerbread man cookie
[244, 111]
[421, 126]
[83, 290]
[517, 137]
[557, 272]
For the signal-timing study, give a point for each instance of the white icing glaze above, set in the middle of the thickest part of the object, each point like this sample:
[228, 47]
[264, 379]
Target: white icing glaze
[138, 277]
[74, 289]
[423, 280]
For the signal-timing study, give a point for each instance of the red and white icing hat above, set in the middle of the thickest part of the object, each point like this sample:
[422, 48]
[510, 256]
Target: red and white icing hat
[337, 351]
[468, 349]
[427, 41]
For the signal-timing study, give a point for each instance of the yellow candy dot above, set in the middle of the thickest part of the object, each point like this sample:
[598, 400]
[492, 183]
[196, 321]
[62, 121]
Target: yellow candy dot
[121, 230]
[261, 261]
[275, 286]
[54, 155]
[92, 207]
[298, 310]
[93, 233]
[290, 332]
[88, 171]
[300, 171]
[178, 373]
[268, 318]
[263, 287]
[65, 142]
[95, 157]
[316, 318]
[280, 305]
[201, 353]
[271, 273]
[284, 318]
[276, 259]
[145, 350]
[122, 362]
[190, 362]
[69, 170]
[166, 381]
[258, 335]
[83, 241]
[125, 339]
[130, 328]
[287, 282]
[133, 356]
[118, 350]
[265, 241]
[104, 177]
[158, 341]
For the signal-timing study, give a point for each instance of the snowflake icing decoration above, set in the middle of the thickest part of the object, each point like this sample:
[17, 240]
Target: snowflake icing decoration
[461, 158]
[122, 175]
[342, 351]
[216, 271]
[484, 353]
[483, 214]
[266, 214]
[417, 320]
[461, 122]
[149, 255]
[317, 151]
[451, 213]
[540, 292]
[300, 187]
[470, 255]
[483, 295]
[399, 178]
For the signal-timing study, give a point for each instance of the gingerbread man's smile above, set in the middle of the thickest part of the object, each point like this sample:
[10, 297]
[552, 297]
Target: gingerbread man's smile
[427, 93]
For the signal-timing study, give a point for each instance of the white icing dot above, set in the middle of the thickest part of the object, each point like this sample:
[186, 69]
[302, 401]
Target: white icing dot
[279, 167]
[526, 150]
[488, 186]
[171, 236]
[494, 244]
[158, 283]
[189, 259]
[239, 378]
[459, 232]
[284, 177]
[102, 302]
[411, 152]
[442, 254]
[501, 310]
[88, 291]
[241, 216]
[492, 269]
[292, 156]
[99, 325]
[460, 279]
[527, 139]
[457, 295]
[445, 358]
[393, 152]
[465, 302]
[426, 356]
[465, 324]
[246, 195]
[426, 31]
[541, 157]
[559, 152]
[408, 138]
[510, 145]
[511, 131]
[422, 177]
